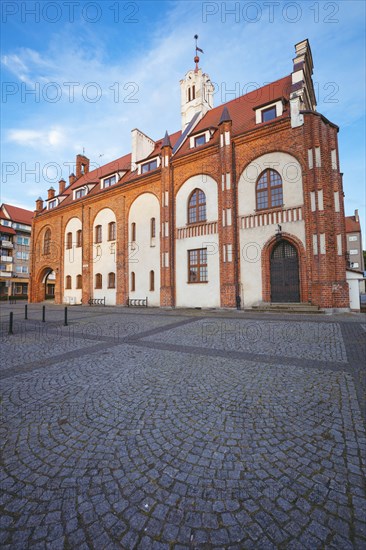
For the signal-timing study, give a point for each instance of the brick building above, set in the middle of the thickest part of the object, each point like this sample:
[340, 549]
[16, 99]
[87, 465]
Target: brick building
[15, 247]
[245, 200]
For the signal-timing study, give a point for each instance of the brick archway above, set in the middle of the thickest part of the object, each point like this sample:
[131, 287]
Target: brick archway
[266, 266]
[40, 282]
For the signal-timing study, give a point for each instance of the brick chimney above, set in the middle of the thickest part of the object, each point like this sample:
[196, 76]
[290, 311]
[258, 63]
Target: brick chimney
[51, 193]
[357, 218]
[82, 165]
[39, 204]
[61, 186]
[72, 178]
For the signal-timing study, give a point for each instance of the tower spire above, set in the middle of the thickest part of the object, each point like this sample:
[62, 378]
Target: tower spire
[196, 58]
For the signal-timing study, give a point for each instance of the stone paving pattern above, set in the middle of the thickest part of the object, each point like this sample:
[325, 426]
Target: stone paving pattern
[177, 429]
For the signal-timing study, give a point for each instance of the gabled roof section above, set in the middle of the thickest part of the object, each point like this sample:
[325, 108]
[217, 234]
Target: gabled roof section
[18, 215]
[352, 226]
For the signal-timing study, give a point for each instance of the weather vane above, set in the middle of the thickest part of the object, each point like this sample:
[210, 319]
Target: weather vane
[196, 58]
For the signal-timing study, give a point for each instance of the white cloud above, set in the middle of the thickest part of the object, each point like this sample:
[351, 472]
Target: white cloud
[37, 138]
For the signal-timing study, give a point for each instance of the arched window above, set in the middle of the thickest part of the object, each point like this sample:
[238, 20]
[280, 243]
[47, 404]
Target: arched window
[133, 231]
[111, 280]
[79, 281]
[47, 242]
[269, 190]
[152, 228]
[98, 280]
[68, 282]
[152, 280]
[69, 240]
[112, 231]
[79, 238]
[98, 233]
[197, 207]
[133, 281]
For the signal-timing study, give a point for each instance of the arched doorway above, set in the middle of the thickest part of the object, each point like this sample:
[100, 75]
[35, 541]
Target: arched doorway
[49, 285]
[285, 282]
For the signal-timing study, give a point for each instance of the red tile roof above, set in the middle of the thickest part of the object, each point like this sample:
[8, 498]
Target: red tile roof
[352, 226]
[19, 215]
[241, 112]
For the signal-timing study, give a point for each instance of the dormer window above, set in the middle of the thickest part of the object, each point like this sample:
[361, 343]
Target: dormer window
[269, 111]
[52, 204]
[269, 114]
[149, 166]
[107, 182]
[199, 140]
[79, 193]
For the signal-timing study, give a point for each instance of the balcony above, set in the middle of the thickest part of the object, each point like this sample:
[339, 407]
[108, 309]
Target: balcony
[5, 274]
[7, 259]
[6, 244]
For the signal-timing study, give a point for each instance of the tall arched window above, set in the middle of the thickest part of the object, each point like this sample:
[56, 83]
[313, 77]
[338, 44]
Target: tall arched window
[152, 280]
[98, 233]
[98, 280]
[111, 280]
[69, 240]
[133, 281]
[79, 238]
[197, 207]
[47, 242]
[68, 282]
[112, 231]
[79, 281]
[269, 190]
[152, 228]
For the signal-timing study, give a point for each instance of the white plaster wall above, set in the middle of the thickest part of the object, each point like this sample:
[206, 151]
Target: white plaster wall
[145, 257]
[288, 168]
[252, 242]
[197, 294]
[72, 262]
[104, 257]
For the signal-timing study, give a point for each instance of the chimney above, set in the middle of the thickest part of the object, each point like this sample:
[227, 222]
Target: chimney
[141, 148]
[39, 204]
[82, 165]
[51, 193]
[72, 178]
[61, 186]
[357, 218]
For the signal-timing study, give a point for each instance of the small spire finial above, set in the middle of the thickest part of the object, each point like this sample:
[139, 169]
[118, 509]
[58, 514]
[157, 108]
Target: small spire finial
[196, 58]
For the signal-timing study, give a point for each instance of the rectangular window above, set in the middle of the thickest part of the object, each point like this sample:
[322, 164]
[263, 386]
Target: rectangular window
[107, 182]
[199, 140]
[320, 199]
[79, 238]
[112, 231]
[23, 255]
[353, 238]
[353, 251]
[197, 266]
[52, 204]
[339, 245]
[269, 114]
[80, 193]
[24, 269]
[355, 265]
[98, 233]
[148, 166]
[23, 240]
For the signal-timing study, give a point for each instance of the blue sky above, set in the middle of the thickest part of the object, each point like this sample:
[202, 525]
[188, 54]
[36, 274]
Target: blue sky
[100, 69]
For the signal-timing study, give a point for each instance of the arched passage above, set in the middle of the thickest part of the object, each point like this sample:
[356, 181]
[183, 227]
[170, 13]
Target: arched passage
[45, 284]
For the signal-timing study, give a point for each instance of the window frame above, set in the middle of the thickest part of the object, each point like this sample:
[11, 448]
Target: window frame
[268, 110]
[198, 138]
[98, 282]
[68, 240]
[196, 207]
[112, 280]
[79, 238]
[98, 234]
[107, 182]
[149, 167]
[152, 228]
[79, 282]
[198, 265]
[79, 193]
[152, 281]
[133, 232]
[68, 282]
[268, 189]
[47, 242]
[112, 231]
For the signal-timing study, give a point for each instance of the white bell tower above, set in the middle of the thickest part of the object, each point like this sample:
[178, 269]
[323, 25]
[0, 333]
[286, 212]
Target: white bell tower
[196, 93]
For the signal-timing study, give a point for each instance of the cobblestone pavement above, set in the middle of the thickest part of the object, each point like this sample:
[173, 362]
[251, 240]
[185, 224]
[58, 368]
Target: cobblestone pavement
[182, 429]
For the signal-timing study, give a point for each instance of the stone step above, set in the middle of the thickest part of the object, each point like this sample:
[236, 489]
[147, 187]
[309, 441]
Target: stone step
[290, 307]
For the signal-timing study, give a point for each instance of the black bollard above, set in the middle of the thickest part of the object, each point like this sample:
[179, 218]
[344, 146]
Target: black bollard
[25, 312]
[43, 314]
[11, 323]
[65, 321]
